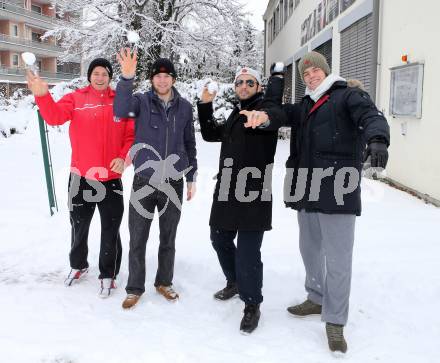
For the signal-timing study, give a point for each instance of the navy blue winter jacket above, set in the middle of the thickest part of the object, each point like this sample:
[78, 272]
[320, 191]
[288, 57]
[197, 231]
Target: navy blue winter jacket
[160, 134]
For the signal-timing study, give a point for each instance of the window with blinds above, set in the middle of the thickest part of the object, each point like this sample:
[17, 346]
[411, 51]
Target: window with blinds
[357, 53]
[288, 77]
[300, 88]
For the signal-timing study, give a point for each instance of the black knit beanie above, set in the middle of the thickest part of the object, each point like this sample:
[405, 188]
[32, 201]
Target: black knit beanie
[163, 65]
[100, 62]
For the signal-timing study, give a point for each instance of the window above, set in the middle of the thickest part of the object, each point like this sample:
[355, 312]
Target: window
[15, 60]
[300, 87]
[290, 7]
[269, 32]
[274, 29]
[286, 11]
[36, 9]
[357, 53]
[14, 30]
[36, 37]
[297, 3]
[277, 20]
[281, 14]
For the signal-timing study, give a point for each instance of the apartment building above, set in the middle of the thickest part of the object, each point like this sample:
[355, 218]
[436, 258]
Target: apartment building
[22, 23]
[390, 45]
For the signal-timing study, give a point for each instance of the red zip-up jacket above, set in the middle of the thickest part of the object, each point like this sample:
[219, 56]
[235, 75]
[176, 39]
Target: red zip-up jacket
[96, 136]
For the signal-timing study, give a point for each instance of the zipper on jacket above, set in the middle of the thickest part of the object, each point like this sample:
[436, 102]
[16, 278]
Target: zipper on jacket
[166, 145]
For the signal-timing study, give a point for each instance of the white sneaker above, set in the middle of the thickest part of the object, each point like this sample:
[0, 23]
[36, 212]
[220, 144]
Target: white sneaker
[106, 287]
[75, 275]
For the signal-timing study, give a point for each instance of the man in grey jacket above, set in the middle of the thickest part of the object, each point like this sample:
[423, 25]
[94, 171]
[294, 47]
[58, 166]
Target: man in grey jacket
[163, 152]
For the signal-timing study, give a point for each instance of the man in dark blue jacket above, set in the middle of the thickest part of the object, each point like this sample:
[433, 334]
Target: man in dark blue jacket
[164, 150]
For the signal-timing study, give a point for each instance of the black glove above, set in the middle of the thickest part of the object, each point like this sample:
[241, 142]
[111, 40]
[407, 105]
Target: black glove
[379, 154]
[279, 71]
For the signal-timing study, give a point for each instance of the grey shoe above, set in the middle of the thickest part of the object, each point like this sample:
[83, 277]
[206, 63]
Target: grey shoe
[306, 308]
[335, 336]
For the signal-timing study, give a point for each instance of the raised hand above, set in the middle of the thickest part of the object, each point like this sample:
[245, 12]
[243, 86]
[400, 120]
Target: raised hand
[206, 96]
[254, 118]
[37, 86]
[128, 61]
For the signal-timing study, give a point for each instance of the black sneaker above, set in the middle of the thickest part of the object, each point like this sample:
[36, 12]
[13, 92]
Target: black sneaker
[306, 308]
[250, 319]
[228, 292]
[335, 336]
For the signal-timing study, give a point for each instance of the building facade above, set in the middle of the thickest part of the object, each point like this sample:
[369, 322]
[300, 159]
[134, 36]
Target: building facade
[22, 24]
[389, 45]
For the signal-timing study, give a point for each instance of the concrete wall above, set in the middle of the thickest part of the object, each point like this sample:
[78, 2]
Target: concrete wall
[5, 58]
[49, 64]
[4, 27]
[48, 10]
[407, 28]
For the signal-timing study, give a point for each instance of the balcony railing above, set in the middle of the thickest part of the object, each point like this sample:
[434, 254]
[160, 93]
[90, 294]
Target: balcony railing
[50, 75]
[30, 43]
[20, 10]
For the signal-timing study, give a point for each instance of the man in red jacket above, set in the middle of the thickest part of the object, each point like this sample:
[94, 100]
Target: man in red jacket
[100, 143]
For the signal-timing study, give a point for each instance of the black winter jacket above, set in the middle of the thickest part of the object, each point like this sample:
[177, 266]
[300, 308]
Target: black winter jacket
[333, 137]
[248, 148]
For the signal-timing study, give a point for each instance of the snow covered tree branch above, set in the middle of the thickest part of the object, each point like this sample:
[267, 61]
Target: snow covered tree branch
[201, 37]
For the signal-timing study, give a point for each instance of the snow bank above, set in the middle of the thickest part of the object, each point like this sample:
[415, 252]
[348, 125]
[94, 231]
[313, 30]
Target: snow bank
[190, 90]
[17, 111]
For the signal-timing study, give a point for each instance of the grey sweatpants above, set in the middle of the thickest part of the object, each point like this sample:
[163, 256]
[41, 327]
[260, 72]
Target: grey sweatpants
[326, 245]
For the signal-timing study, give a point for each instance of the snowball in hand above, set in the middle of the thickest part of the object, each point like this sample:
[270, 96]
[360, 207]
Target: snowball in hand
[29, 58]
[212, 87]
[279, 67]
[132, 36]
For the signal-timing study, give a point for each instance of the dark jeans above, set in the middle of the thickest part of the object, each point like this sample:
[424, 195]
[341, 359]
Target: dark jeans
[139, 221]
[241, 264]
[83, 199]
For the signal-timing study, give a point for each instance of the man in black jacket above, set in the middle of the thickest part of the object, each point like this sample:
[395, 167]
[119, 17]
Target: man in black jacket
[334, 128]
[242, 201]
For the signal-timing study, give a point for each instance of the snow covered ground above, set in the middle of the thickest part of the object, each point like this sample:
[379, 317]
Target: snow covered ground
[395, 291]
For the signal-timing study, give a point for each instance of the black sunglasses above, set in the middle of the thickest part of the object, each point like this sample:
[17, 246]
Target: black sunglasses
[249, 82]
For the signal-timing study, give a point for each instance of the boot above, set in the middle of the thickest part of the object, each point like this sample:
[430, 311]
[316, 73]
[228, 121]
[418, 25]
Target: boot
[306, 308]
[250, 319]
[228, 292]
[167, 292]
[335, 336]
[130, 301]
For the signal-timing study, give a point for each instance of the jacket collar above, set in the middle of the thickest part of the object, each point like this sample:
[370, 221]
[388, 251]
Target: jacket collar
[324, 87]
[154, 95]
[109, 92]
[243, 105]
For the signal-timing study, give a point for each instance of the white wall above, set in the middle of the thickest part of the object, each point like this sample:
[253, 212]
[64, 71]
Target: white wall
[409, 28]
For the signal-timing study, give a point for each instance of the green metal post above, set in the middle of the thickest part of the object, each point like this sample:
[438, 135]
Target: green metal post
[47, 159]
